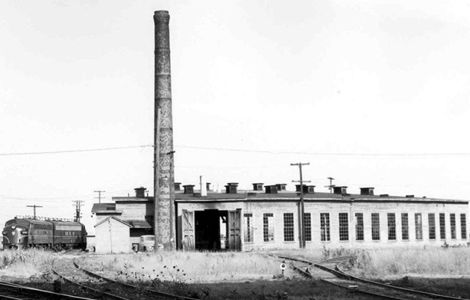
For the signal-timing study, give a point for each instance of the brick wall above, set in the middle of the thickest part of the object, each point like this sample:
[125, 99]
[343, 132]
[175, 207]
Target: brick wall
[278, 208]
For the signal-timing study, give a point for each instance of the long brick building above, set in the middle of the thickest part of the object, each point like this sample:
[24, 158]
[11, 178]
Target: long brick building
[268, 218]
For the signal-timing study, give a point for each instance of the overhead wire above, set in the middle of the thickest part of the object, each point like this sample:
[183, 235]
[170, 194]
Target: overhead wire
[261, 151]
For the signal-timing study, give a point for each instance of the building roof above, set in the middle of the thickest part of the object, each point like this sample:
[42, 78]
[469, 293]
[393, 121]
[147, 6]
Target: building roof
[309, 197]
[103, 207]
[115, 218]
[132, 199]
[139, 224]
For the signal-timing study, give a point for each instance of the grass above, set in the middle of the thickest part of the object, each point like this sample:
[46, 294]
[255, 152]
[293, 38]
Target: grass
[210, 267]
[382, 263]
[194, 267]
[25, 263]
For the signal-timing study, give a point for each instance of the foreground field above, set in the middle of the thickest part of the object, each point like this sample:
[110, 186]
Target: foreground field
[231, 275]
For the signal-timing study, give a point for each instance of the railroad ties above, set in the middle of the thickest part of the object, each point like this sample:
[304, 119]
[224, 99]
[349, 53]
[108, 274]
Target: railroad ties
[12, 291]
[360, 285]
[119, 290]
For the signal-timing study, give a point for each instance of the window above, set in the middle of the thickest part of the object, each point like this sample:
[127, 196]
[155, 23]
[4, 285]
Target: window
[404, 227]
[432, 226]
[453, 232]
[308, 226]
[248, 227]
[375, 226]
[463, 226]
[359, 227]
[418, 226]
[343, 227]
[268, 227]
[325, 226]
[442, 226]
[392, 232]
[288, 227]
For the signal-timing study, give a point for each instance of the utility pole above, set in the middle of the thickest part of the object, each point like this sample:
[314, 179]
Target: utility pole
[301, 206]
[330, 187]
[34, 209]
[99, 195]
[78, 209]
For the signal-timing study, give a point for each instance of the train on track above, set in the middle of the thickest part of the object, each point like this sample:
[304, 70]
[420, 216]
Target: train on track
[21, 233]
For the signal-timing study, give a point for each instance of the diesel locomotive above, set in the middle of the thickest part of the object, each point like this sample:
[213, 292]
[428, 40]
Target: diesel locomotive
[20, 233]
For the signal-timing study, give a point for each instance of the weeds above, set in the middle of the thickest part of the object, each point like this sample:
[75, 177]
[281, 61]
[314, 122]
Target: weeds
[25, 263]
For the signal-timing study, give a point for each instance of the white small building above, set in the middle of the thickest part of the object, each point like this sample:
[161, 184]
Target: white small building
[112, 236]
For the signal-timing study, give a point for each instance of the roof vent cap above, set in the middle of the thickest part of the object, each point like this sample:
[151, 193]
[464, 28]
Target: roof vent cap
[367, 191]
[410, 196]
[140, 192]
[310, 189]
[188, 188]
[177, 186]
[231, 188]
[383, 195]
[340, 190]
[271, 189]
[258, 186]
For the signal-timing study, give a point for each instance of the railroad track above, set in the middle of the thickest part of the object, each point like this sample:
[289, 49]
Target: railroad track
[12, 291]
[361, 285]
[119, 290]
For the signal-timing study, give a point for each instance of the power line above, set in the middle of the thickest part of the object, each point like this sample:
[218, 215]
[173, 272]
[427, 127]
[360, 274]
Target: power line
[363, 154]
[74, 150]
[350, 154]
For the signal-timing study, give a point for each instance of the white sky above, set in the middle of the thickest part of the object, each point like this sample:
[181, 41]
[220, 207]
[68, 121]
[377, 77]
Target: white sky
[359, 77]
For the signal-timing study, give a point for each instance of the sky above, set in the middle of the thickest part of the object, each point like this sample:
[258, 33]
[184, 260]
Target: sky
[372, 93]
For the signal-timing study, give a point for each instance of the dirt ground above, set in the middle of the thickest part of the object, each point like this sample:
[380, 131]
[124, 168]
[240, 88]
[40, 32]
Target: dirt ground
[291, 286]
[457, 287]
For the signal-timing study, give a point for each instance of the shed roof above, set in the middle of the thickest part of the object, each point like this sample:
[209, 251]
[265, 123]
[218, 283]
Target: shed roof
[103, 207]
[139, 224]
[293, 196]
[115, 218]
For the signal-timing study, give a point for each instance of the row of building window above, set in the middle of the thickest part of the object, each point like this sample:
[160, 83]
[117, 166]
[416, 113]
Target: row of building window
[268, 226]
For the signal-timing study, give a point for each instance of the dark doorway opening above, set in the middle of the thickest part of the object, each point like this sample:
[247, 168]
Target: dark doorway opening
[217, 230]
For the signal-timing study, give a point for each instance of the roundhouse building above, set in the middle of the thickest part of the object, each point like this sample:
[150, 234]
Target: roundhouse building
[267, 217]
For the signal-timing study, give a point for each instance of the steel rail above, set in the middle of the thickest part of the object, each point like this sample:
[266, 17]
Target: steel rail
[152, 291]
[340, 274]
[388, 286]
[330, 260]
[307, 274]
[26, 289]
[362, 291]
[96, 291]
[9, 297]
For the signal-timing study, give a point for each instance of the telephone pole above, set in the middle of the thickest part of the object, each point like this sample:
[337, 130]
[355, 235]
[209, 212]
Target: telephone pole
[99, 195]
[330, 187]
[301, 206]
[34, 209]
[78, 209]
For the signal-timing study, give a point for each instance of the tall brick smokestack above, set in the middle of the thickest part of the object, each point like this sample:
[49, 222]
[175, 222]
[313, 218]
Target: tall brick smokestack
[163, 154]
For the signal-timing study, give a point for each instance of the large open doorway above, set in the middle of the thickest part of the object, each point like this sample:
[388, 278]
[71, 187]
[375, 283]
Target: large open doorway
[213, 230]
